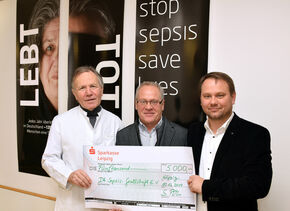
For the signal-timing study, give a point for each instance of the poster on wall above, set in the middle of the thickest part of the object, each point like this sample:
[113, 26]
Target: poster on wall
[37, 79]
[95, 39]
[172, 50]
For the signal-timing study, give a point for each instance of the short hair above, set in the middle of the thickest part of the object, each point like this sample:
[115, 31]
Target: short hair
[46, 10]
[94, 9]
[43, 12]
[219, 76]
[85, 69]
[150, 83]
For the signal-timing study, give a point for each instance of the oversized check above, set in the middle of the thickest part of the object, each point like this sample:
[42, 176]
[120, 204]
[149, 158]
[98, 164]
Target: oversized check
[134, 176]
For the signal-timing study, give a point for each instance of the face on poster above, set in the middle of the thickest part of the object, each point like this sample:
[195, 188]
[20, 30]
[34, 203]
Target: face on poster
[91, 23]
[37, 79]
[95, 39]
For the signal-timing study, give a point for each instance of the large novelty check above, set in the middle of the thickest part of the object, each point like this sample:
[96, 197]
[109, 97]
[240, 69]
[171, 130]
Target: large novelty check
[151, 177]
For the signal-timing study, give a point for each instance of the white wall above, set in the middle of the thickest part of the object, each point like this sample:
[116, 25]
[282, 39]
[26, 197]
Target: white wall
[249, 39]
[12, 201]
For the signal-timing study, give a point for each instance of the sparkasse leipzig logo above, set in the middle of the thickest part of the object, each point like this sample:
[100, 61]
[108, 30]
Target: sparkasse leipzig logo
[92, 151]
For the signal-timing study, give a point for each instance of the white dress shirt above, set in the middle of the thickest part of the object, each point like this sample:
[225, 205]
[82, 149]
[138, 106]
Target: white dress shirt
[64, 150]
[210, 146]
[148, 138]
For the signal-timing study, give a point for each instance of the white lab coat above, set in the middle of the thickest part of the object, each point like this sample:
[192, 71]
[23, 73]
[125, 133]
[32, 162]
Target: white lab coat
[64, 150]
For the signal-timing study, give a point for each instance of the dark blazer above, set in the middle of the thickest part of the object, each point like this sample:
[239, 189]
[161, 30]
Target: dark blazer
[169, 134]
[242, 169]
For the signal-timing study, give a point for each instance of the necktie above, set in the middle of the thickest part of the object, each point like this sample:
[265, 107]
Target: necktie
[93, 114]
[93, 120]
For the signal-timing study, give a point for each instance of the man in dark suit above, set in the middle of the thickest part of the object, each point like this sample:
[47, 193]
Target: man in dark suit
[151, 129]
[232, 156]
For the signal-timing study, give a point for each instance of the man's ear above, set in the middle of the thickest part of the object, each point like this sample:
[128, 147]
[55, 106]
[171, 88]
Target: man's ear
[234, 98]
[73, 92]
[135, 102]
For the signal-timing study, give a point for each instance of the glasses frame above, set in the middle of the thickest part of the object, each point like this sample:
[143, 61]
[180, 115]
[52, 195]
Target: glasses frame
[151, 102]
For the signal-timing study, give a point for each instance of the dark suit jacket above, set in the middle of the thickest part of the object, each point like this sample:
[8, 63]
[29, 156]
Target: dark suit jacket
[242, 169]
[169, 134]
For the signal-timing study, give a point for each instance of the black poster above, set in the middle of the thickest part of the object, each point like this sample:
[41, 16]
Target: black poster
[95, 36]
[172, 49]
[37, 79]
[97, 42]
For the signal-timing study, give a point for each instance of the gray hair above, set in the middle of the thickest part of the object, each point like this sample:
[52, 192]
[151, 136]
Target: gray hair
[85, 69]
[46, 10]
[150, 83]
[43, 12]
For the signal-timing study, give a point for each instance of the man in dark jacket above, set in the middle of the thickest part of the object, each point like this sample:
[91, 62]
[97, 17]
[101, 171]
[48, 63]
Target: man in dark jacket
[151, 129]
[232, 156]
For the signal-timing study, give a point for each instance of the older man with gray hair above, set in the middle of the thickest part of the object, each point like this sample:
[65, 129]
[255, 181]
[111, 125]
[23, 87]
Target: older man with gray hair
[151, 129]
[86, 124]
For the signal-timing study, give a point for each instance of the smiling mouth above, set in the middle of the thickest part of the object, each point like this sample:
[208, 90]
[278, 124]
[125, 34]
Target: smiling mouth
[214, 109]
[148, 114]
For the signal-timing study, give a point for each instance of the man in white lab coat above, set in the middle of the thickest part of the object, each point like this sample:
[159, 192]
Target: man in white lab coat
[86, 124]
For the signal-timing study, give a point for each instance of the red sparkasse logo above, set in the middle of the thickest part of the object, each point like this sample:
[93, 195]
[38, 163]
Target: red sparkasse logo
[92, 151]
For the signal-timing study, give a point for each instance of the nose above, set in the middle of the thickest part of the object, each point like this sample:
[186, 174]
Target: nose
[148, 106]
[88, 91]
[213, 101]
[54, 54]
[55, 60]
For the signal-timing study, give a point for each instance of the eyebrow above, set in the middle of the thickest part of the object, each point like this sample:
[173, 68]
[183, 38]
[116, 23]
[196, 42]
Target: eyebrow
[48, 40]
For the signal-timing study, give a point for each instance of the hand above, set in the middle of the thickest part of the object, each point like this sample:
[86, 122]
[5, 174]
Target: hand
[80, 178]
[195, 183]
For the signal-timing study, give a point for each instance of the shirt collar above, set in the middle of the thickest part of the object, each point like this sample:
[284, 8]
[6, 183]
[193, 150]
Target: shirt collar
[94, 112]
[85, 113]
[143, 127]
[223, 128]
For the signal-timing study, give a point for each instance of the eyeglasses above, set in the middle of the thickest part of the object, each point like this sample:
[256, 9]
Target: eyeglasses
[152, 102]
